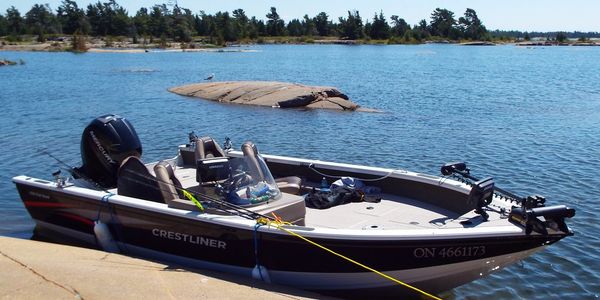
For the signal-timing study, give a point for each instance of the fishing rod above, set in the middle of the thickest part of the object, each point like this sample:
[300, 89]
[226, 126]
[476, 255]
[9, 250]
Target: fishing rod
[75, 172]
[241, 211]
[101, 231]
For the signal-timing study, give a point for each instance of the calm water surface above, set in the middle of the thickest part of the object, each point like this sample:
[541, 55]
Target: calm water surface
[530, 117]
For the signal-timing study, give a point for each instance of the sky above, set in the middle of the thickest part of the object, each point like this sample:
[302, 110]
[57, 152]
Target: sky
[523, 15]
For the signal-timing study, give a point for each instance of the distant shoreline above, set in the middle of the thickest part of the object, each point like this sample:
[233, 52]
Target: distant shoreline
[99, 46]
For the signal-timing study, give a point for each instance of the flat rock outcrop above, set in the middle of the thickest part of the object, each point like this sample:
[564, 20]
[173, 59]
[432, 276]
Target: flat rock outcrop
[270, 93]
[7, 62]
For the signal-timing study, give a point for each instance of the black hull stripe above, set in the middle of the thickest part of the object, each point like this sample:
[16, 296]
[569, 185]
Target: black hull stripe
[361, 284]
[195, 239]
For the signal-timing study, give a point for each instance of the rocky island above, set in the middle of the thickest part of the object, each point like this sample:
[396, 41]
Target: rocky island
[4, 62]
[270, 93]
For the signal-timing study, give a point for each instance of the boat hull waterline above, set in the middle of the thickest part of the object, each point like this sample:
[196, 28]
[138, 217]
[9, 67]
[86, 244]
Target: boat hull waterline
[433, 259]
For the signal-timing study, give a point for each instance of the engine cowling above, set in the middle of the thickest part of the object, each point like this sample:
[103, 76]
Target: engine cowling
[105, 143]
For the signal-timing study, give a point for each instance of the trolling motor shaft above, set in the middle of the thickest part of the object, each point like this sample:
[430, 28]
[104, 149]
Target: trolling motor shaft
[462, 169]
[528, 214]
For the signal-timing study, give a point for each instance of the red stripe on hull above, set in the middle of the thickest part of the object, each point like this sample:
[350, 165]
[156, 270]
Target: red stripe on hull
[44, 204]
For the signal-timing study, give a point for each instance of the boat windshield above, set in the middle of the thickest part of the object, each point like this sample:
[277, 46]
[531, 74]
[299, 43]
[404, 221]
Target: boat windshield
[249, 182]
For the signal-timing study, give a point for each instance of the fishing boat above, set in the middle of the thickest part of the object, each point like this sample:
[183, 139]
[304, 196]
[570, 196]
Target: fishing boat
[329, 227]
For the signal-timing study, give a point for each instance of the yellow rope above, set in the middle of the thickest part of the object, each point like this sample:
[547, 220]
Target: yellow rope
[193, 199]
[279, 226]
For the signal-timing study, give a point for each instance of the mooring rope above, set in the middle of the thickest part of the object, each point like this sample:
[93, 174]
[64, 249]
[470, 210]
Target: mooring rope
[279, 225]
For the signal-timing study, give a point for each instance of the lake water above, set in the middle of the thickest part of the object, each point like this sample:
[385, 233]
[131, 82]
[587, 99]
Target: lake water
[530, 117]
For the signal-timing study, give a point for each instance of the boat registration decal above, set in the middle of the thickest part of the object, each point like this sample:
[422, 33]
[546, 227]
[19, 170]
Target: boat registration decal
[39, 195]
[449, 252]
[193, 239]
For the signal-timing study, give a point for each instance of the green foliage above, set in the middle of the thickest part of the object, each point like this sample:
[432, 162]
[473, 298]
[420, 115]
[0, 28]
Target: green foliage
[419, 32]
[40, 21]
[72, 18]
[3, 26]
[15, 23]
[308, 27]
[322, 24]
[241, 23]
[173, 23]
[224, 28]
[163, 41]
[261, 28]
[275, 25]
[352, 27]
[379, 29]
[13, 38]
[295, 28]
[108, 18]
[306, 40]
[422, 30]
[78, 42]
[141, 22]
[442, 23]
[471, 26]
[40, 36]
[561, 37]
[182, 30]
[399, 26]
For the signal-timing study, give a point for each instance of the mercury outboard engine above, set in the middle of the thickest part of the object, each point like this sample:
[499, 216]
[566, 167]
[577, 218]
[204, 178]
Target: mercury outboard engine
[105, 143]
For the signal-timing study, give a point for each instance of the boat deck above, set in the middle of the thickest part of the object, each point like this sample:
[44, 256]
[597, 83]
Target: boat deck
[392, 212]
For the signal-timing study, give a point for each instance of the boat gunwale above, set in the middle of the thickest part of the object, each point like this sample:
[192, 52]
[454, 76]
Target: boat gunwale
[313, 232]
[445, 182]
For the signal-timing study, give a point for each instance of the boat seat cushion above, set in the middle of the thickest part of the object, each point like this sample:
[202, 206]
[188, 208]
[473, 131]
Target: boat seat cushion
[134, 180]
[290, 184]
[251, 158]
[170, 186]
[206, 147]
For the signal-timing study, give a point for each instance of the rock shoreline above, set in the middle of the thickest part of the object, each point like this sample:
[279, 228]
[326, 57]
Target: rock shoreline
[271, 94]
[38, 270]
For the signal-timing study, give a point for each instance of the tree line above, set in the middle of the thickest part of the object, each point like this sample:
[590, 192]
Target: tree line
[180, 24]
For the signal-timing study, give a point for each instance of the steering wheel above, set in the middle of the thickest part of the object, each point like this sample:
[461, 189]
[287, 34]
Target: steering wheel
[236, 181]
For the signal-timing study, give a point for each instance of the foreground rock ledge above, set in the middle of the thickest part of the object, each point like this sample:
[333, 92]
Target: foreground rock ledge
[270, 93]
[37, 270]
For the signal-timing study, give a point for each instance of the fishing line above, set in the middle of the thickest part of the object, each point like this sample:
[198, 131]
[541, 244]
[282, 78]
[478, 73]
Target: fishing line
[104, 201]
[312, 167]
[241, 211]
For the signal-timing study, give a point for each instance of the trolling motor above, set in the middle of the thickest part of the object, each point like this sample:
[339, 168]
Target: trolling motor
[482, 191]
[527, 214]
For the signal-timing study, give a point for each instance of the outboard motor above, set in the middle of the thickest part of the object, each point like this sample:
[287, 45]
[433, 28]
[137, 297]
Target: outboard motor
[105, 143]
